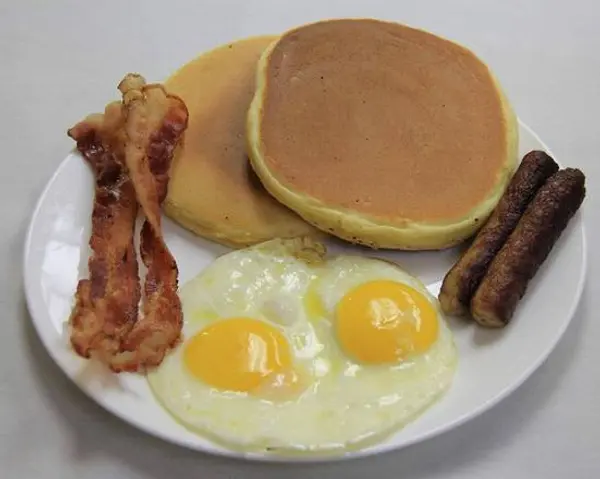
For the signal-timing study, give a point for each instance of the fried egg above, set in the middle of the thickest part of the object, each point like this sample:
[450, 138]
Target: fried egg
[286, 350]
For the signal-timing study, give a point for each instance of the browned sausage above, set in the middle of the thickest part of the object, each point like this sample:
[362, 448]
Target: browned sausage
[462, 280]
[527, 247]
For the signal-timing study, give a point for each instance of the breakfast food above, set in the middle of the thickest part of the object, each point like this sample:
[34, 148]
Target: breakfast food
[377, 133]
[130, 149]
[527, 248]
[106, 303]
[288, 350]
[461, 282]
[381, 134]
[213, 191]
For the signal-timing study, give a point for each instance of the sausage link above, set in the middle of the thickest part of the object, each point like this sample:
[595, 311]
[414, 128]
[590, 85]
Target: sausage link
[461, 282]
[527, 247]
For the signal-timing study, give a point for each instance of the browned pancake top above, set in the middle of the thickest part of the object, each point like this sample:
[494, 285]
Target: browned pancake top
[382, 119]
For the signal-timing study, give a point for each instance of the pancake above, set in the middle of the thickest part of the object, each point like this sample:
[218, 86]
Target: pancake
[381, 134]
[213, 191]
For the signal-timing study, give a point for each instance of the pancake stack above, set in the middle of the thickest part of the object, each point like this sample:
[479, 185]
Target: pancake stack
[375, 132]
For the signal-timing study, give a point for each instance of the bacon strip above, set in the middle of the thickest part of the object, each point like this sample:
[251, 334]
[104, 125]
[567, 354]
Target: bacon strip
[154, 125]
[106, 305]
[130, 149]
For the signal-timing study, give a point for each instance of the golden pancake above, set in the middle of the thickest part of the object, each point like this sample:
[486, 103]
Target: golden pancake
[213, 191]
[381, 134]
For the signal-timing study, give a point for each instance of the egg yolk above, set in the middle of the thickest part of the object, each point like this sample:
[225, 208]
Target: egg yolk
[385, 321]
[237, 354]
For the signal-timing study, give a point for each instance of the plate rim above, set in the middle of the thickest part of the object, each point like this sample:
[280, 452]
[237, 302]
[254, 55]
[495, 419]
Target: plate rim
[380, 448]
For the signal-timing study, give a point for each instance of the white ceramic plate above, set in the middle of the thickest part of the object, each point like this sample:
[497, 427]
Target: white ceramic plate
[492, 363]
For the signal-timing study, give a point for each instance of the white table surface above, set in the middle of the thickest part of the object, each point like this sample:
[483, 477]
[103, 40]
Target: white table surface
[61, 59]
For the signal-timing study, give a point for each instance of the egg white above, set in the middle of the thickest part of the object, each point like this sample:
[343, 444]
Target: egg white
[342, 404]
